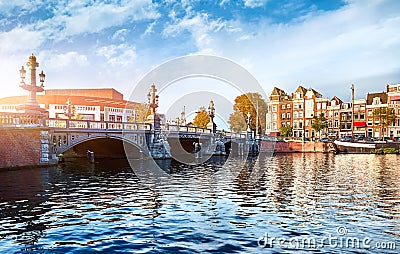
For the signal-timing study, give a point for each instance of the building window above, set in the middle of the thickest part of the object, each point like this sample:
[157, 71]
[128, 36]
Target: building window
[318, 106]
[324, 105]
[376, 101]
[273, 108]
[295, 106]
[336, 124]
[288, 106]
[295, 115]
[300, 114]
[274, 117]
[283, 115]
[288, 115]
[362, 116]
[300, 105]
[336, 114]
[283, 106]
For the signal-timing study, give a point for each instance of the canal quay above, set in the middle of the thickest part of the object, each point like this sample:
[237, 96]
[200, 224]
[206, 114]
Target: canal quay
[84, 170]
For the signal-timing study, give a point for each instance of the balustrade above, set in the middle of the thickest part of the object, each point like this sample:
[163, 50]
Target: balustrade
[15, 119]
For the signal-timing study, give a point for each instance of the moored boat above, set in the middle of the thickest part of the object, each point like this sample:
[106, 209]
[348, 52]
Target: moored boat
[359, 147]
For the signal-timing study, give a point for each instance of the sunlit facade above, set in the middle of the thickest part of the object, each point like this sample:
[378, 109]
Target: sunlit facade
[105, 104]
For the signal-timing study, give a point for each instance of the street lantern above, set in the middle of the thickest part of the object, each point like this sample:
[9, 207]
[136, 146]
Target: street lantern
[211, 110]
[149, 98]
[22, 74]
[211, 113]
[31, 106]
[41, 78]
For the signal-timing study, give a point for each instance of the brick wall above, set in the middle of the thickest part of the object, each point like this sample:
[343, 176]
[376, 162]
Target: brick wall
[19, 147]
[293, 147]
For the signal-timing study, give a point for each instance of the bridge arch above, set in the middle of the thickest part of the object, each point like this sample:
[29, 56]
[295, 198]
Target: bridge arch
[101, 144]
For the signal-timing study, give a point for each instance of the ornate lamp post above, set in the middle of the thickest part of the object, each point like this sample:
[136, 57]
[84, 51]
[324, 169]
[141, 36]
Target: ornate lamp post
[153, 104]
[352, 110]
[32, 107]
[248, 121]
[69, 109]
[211, 113]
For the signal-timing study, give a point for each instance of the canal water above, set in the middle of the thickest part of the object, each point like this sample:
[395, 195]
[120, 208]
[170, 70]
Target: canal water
[313, 203]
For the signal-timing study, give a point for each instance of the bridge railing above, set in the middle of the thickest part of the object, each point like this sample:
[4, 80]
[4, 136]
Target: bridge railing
[88, 124]
[12, 119]
[233, 134]
[192, 129]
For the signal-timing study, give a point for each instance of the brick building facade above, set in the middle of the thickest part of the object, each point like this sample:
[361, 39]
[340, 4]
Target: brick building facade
[104, 104]
[344, 118]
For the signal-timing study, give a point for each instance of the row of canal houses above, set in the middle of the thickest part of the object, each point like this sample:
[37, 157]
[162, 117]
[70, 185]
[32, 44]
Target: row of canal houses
[298, 109]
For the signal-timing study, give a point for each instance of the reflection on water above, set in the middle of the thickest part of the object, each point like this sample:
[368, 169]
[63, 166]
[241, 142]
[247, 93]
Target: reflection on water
[80, 207]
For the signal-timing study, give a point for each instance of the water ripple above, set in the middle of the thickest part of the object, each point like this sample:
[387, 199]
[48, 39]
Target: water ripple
[77, 208]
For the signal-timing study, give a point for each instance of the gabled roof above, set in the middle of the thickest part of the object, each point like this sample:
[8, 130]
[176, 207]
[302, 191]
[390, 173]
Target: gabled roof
[301, 89]
[317, 94]
[382, 95]
[338, 101]
[278, 91]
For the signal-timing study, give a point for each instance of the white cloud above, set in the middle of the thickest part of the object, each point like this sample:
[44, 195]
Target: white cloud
[78, 18]
[7, 7]
[20, 39]
[149, 29]
[120, 34]
[223, 2]
[55, 61]
[118, 55]
[254, 3]
[200, 26]
[325, 50]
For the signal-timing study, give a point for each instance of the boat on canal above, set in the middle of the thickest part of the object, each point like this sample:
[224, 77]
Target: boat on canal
[363, 147]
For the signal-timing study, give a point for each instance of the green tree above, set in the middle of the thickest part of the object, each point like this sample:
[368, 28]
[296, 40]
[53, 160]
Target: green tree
[286, 131]
[248, 103]
[385, 116]
[319, 123]
[201, 119]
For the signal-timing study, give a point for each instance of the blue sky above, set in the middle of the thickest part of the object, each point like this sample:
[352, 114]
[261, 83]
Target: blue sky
[327, 45]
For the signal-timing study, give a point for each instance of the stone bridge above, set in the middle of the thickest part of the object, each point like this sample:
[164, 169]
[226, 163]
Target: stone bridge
[37, 141]
[64, 135]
